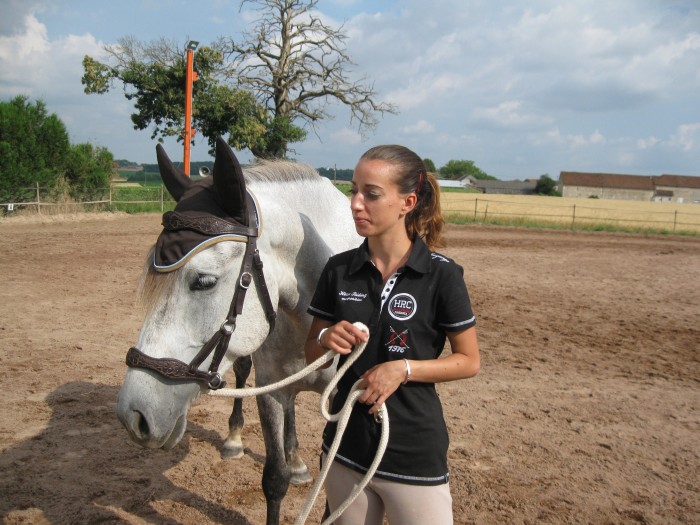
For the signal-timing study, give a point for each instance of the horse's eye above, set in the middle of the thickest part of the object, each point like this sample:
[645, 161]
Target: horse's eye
[203, 282]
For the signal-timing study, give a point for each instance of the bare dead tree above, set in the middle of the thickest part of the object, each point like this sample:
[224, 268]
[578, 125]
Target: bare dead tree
[296, 65]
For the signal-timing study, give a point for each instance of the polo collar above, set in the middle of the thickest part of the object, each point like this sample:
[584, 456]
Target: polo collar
[418, 260]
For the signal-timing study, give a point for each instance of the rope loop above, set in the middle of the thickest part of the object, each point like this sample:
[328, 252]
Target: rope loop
[341, 418]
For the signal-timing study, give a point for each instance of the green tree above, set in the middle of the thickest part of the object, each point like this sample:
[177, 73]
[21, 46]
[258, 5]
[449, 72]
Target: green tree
[154, 75]
[88, 168]
[262, 90]
[430, 165]
[546, 186]
[33, 146]
[35, 149]
[456, 169]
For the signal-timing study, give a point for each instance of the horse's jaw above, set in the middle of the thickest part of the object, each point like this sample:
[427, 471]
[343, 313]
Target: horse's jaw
[154, 410]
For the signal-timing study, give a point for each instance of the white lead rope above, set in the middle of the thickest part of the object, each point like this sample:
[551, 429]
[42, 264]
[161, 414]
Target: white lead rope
[341, 417]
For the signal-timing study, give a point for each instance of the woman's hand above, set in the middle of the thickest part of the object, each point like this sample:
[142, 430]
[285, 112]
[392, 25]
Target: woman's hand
[342, 337]
[380, 381]
[339, 337]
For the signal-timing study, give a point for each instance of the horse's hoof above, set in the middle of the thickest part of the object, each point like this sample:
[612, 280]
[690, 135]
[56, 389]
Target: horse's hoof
[232, 453]
[301, 478]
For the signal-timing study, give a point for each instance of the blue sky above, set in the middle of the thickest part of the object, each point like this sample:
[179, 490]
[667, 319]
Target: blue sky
[521, 87]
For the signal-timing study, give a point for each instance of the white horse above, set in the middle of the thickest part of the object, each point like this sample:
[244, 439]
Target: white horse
[200, 320]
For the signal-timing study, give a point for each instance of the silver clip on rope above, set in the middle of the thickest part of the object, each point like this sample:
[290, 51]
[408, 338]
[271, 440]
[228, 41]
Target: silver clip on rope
[341, 417]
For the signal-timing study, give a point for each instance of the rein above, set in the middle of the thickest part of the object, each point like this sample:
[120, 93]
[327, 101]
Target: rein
[218, 344]
[341, 417]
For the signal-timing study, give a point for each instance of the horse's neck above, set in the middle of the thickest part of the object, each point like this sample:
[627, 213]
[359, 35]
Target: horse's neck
[313, 208]
[304, 223]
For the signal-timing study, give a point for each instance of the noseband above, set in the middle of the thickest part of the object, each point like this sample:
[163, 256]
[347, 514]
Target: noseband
[251, 267]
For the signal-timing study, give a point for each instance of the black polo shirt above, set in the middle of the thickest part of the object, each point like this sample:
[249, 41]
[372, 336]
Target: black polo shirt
[407, 318]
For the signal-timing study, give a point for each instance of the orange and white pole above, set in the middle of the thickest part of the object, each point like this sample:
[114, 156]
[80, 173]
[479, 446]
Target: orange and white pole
[190, 77]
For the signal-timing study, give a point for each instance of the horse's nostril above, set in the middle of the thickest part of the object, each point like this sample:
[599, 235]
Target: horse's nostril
[142, 424]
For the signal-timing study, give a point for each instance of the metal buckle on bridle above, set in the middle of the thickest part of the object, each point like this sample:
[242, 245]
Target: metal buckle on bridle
[228, 327]
[216, 382]
[248, 279]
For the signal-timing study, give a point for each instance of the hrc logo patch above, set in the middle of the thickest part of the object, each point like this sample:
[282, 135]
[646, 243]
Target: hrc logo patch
[402, 306]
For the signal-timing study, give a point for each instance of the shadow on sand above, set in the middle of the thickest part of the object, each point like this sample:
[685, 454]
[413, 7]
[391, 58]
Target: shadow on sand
[83, 469]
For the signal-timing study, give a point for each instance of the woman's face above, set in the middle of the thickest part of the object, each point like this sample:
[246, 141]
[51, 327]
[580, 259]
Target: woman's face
[377, 206]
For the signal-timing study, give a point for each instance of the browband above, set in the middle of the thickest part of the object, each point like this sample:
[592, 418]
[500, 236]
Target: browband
[207, 225]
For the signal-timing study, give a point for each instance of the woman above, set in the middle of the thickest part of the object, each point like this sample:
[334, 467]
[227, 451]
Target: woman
[411, 299]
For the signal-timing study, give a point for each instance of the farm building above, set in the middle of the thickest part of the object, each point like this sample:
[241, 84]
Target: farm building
[503, 187]
[669, 188]
[450, 183]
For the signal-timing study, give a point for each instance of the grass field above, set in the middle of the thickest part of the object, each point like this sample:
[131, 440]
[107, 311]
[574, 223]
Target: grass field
[458, 207]
[595, 214]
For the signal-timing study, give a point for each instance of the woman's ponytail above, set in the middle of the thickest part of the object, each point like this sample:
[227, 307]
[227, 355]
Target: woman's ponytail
[426, 219]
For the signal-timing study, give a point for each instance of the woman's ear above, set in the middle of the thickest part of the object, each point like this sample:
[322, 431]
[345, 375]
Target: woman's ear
[409, 203]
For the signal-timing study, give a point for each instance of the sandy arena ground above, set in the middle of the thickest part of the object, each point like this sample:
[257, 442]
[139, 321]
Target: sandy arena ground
[587, 409]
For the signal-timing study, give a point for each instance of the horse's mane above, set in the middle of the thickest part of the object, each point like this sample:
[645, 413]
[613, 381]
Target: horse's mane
[279, 171]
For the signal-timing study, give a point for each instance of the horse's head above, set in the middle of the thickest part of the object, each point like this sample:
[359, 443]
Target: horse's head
[203, 266]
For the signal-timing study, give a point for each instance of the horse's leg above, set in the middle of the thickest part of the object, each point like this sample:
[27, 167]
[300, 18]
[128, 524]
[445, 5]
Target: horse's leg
[233, 446]
[297, 467]
[275, 480]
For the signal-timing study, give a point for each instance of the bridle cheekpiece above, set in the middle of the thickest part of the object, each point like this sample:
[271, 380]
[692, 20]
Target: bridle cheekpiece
[212, 229]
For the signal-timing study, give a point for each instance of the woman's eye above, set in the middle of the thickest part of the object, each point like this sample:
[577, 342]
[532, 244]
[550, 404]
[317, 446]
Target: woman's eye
[373, 196]
[203, 282]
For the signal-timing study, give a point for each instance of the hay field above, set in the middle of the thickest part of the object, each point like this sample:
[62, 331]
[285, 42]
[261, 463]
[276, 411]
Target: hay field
[574, 213]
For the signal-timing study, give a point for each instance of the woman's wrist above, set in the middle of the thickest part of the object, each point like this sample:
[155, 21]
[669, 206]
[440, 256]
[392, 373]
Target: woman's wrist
[408, 371]
[318, 338]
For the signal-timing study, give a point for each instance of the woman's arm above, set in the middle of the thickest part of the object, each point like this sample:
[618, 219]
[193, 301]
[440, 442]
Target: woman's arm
[382, 380]
[463, 362]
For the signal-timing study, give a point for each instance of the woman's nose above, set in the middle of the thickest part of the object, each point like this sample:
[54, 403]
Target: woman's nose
[356, 202]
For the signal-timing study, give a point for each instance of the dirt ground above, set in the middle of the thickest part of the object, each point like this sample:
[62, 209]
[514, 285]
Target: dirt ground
[587, 408]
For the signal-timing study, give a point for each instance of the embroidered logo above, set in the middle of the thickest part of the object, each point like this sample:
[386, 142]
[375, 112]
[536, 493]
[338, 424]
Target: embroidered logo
[439, 257]
[402, 306]
[398, 342]
[351, 296]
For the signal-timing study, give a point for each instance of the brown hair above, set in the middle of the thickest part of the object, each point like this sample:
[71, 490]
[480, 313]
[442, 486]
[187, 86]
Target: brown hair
[425, 220]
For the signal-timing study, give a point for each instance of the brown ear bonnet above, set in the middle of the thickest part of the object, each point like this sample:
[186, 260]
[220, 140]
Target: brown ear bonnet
[208, 211]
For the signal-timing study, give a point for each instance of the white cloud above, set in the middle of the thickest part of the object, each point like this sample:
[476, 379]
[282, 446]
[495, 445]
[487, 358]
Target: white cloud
[647, 143]
[521, 88]
[422, 90]
[346, 136]
[572, 140]
[34, 65]
[510, 115]
[422, 127]
[687, 136]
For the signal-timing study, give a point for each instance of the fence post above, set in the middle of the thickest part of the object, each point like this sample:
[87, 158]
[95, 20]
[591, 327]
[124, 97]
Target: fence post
[38, 200]
[486, 211]
[476, 205]
[161, 198]
[675, 219]
[573, 218]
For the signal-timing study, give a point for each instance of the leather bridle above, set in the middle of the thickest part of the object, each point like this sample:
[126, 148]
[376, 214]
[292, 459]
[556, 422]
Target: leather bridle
[251, 267]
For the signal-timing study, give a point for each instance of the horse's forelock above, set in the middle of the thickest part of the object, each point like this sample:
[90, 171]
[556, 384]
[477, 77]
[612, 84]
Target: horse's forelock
[154, 285]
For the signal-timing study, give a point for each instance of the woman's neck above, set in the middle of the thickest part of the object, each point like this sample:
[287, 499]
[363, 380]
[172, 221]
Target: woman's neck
[389, 254]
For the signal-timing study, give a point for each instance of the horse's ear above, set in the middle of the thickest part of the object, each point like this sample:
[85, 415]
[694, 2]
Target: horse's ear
[175, 180]
[229, 182]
